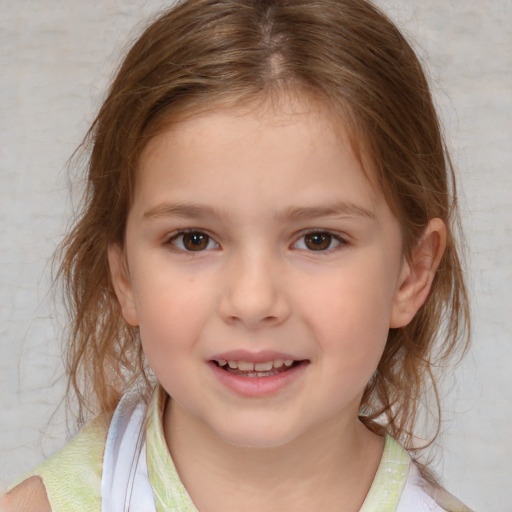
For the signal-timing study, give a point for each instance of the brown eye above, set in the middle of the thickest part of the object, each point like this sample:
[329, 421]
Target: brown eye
[195, 241]
[318, 241]
[192, 241]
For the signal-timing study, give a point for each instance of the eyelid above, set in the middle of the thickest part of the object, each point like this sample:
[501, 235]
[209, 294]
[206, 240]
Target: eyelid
[339, 238]
[181, 232]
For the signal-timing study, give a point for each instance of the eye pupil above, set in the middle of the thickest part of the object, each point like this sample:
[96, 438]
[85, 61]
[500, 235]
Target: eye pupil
[195, 241]
[318, 241]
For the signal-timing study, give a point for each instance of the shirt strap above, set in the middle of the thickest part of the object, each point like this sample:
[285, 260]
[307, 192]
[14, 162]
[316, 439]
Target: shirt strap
[124, 460]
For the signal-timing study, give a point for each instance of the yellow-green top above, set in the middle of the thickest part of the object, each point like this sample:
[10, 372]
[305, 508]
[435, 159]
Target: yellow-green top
[72, 477]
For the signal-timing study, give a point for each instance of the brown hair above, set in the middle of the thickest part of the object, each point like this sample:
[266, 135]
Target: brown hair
[205, 54]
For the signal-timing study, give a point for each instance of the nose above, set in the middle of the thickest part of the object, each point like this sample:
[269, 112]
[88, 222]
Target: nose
[254, 293]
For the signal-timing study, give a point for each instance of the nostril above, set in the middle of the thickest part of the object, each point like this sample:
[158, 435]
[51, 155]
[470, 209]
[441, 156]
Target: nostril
[253, 301]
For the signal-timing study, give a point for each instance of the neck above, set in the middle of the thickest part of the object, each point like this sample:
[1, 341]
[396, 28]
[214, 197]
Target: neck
[329, 465]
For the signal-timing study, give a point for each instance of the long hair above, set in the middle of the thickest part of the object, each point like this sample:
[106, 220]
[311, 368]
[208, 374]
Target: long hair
[203, 55]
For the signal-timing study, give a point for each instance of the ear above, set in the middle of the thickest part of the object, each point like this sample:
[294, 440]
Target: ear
[121, 282]
[417, 275]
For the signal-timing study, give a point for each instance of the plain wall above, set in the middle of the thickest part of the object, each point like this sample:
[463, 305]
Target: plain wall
[55, 61]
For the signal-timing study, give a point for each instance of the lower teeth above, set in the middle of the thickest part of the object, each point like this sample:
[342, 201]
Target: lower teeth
[253, 374]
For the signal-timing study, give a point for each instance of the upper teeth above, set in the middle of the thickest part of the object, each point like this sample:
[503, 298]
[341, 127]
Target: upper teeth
[258, 367]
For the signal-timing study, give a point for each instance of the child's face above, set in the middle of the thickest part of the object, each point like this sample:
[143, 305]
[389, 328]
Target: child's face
[255, 238]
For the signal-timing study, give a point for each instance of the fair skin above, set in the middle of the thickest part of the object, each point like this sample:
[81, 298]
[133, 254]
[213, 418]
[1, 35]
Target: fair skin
[264, 269]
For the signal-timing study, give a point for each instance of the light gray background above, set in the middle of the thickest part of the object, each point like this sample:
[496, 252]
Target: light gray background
[55, 60]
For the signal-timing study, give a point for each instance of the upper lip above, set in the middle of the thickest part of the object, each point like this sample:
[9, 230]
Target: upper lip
[254, 357]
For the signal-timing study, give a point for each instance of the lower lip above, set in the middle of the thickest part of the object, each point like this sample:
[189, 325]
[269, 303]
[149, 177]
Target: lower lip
[258, 386]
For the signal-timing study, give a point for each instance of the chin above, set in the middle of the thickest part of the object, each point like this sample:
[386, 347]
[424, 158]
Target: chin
[258, 436]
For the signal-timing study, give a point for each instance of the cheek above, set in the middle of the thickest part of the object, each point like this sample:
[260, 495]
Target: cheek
[350, 318]
[351, 301]
[170, 307]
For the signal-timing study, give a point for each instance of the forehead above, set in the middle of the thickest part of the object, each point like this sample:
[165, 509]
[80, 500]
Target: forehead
[316, 116]
[259, 157]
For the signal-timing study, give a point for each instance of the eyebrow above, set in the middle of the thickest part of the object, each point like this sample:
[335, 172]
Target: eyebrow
[338, 209]
[197, 211]
[183, 210]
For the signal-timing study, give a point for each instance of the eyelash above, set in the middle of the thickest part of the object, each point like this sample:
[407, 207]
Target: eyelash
[171, 241]
[339, 241]
[180, 236]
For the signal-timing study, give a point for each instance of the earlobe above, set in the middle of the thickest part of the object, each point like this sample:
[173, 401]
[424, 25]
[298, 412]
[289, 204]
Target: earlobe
[122, 284]
[418, 274]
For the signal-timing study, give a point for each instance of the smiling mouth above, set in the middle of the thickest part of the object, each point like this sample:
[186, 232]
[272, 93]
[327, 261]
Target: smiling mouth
[264, 369]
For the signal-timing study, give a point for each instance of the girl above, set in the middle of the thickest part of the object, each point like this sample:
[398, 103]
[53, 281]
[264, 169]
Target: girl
[264, 273]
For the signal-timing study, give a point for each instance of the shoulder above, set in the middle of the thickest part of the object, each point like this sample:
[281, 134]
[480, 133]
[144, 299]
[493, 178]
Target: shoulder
[68, 481]
[30, 495]
[422, 494]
